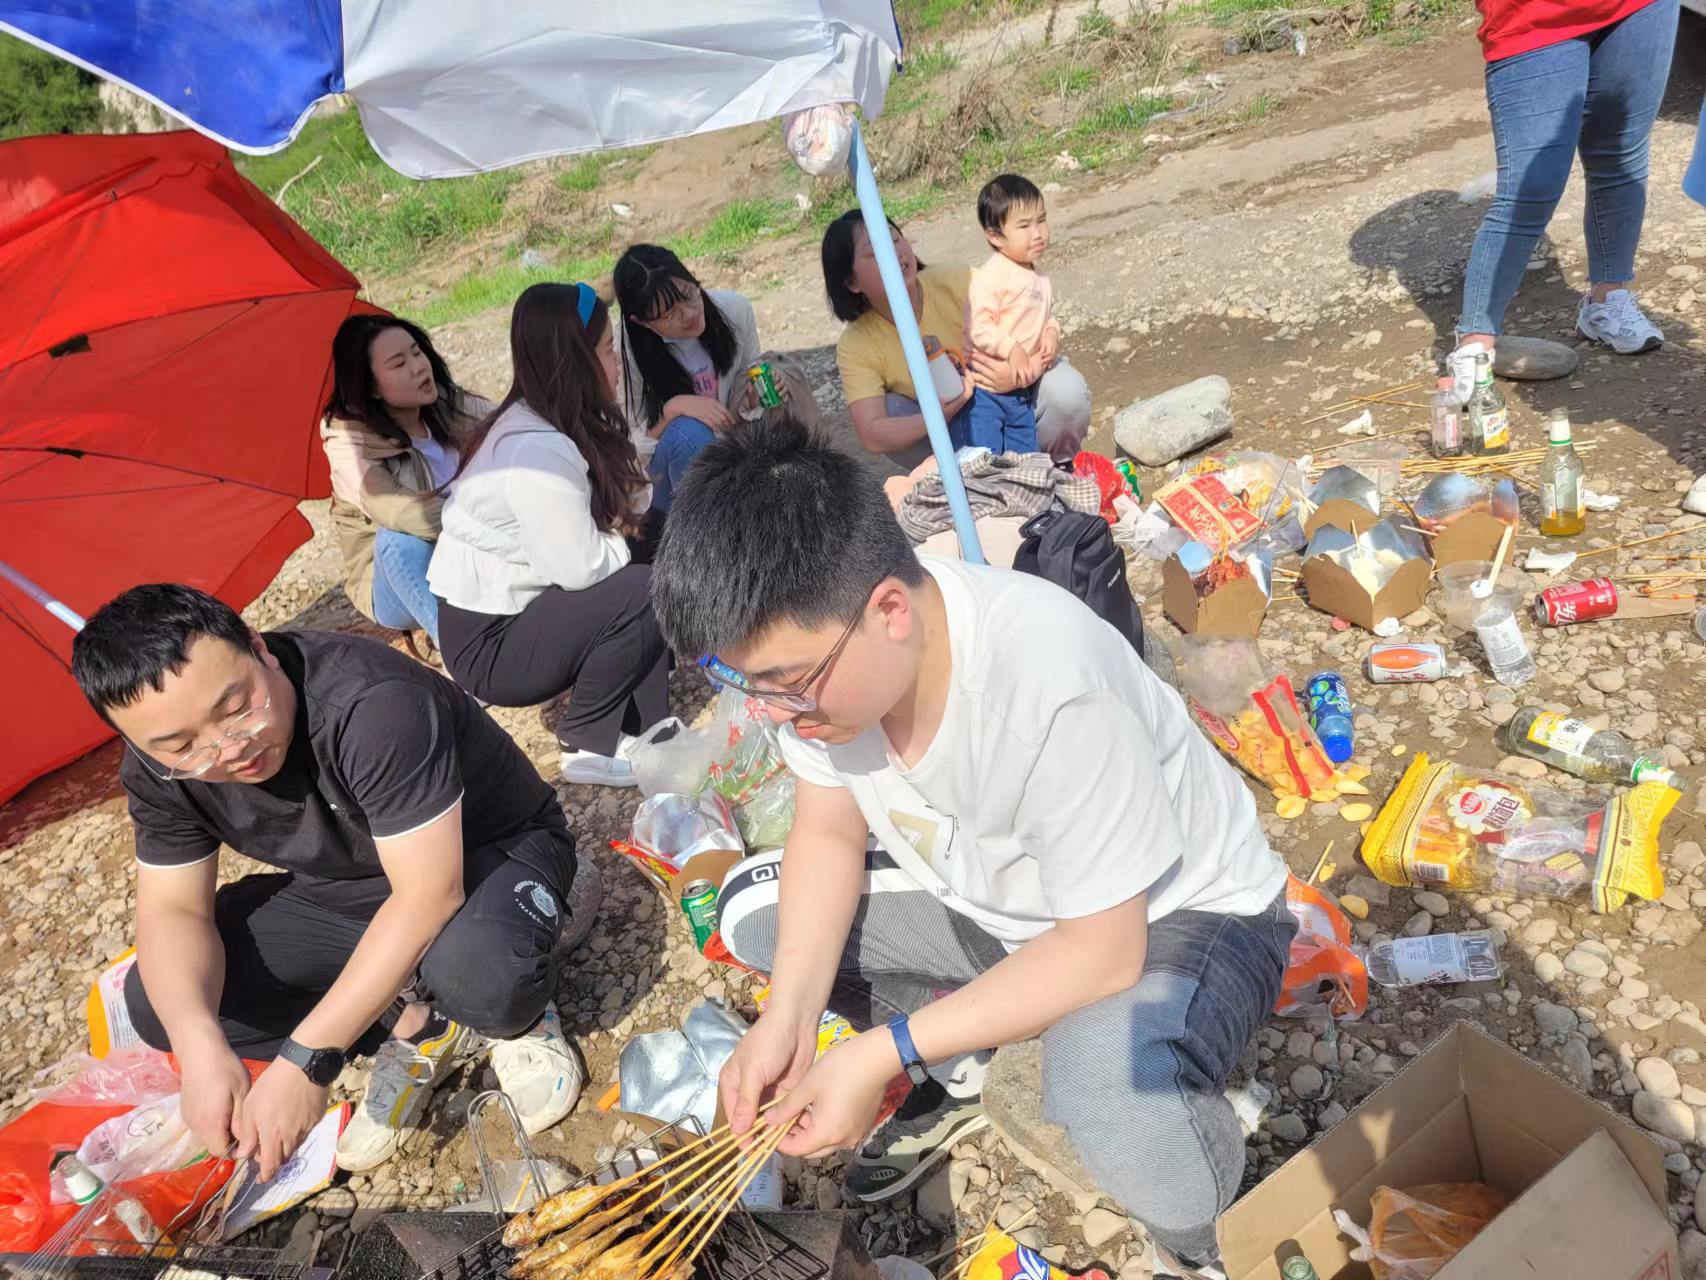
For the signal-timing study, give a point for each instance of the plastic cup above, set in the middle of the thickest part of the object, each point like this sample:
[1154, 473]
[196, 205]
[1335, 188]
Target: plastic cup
[1463, 604]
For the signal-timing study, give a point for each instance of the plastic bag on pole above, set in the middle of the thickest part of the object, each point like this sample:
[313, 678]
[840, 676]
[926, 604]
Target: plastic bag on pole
[820, 139]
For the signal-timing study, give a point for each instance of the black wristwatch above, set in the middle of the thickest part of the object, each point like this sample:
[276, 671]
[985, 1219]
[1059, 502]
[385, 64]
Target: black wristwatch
[319, 1065]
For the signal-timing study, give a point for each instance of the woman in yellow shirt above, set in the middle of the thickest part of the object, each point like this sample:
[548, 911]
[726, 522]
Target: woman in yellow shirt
[874, 378]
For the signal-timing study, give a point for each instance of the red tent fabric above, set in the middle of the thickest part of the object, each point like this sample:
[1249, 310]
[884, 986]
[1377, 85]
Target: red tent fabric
[165, 350]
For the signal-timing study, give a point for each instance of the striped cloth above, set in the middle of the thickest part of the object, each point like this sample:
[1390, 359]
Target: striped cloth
[997, 484]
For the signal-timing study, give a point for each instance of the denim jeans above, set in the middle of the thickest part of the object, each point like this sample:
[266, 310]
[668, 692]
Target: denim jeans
[401, 597]
[1595, 95]
[1062, 409]
[1000, 422]
[677, 447]
[1694, 181]
[1137, 1079]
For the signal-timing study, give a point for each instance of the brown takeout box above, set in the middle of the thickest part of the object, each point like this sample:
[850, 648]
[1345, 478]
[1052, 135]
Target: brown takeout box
[712, 865]
[1342, 498]
[1587, 1188]
[1334, 589]
[1235, 609]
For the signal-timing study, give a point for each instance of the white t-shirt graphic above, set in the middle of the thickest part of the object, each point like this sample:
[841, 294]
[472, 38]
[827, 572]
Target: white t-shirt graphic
[1064, 780]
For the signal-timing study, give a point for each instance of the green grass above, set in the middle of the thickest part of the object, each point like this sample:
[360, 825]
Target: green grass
[1257, 108]
[1118, 115]
[919, 16]
[738, 226]
[911, 89]
[1096, 25]
[1069, 82]
[367, 215]
[584, 173]
[498, 287]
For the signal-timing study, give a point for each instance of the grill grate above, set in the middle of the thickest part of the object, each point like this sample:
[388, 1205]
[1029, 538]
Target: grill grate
[137, 1262]
[744, 1248]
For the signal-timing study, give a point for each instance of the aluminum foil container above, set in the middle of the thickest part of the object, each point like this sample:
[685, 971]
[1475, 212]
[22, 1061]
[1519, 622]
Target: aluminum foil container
[671, 1074]
[678, 827]
[1195, 558]
[1346, 483]
[1448, 497]
[1372, 558]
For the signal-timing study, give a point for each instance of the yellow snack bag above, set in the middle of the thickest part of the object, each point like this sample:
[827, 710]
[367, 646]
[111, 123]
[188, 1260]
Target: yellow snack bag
[1449, 827]
[1001, 1257]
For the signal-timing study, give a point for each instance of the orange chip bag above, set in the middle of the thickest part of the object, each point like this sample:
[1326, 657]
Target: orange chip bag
[1323, 969]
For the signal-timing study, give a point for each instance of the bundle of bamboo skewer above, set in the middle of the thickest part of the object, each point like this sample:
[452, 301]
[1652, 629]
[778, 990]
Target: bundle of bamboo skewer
[1483, 465]
[650, 1225]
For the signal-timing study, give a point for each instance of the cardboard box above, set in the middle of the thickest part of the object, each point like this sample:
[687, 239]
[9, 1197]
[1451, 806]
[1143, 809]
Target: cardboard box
[1587, 1188]
[1401, 568]
[1463, 519]
[1235, 609]
[1343, 498]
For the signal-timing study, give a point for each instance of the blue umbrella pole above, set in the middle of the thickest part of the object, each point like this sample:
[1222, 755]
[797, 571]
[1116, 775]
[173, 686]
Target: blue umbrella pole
[58, 609]
[912, 344]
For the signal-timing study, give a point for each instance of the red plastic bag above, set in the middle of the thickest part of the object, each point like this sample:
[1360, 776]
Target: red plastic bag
[1323, 970]
[1109, 481]
[28, 1145]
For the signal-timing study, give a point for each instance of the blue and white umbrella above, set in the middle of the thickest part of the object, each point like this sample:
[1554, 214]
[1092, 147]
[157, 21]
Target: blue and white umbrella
[453, 87]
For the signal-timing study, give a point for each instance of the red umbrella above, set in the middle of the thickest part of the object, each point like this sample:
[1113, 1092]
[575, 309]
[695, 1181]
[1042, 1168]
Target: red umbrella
[165, 346]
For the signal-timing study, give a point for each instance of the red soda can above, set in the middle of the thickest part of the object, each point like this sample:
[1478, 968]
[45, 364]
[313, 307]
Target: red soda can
[1406, 663]
[1576, 602]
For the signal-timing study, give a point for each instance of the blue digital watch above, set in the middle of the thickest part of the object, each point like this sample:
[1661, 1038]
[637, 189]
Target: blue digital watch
[909, 1059]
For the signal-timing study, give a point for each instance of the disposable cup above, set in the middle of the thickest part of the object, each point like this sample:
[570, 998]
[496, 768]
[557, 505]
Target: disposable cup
[1462, 603]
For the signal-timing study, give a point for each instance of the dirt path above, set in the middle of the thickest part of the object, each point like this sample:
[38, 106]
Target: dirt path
[1305, 256]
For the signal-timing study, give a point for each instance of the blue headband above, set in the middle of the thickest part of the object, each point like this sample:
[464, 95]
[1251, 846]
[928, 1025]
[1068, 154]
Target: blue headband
[588, 300]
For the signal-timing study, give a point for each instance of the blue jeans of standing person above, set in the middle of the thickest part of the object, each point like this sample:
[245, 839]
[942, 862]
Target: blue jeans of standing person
[1595, 95]
[1002, 422]
[679, 444]
[1136, 1079]
[1694, 181]
[401, 597]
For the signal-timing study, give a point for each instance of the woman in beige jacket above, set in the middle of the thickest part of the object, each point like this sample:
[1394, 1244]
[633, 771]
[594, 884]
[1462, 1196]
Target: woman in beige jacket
[395, 427]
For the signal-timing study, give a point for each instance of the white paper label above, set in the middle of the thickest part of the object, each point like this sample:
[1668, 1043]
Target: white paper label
[1444, 957]
[1561, 733]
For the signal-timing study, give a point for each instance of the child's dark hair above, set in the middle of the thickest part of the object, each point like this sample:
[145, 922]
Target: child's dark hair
[1001, 195]
[773, 524]
[648, 280]
[137, 639]
[838, 245]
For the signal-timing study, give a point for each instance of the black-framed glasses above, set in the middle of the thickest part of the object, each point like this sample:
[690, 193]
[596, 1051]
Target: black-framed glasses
[796, 699]
[242, 727]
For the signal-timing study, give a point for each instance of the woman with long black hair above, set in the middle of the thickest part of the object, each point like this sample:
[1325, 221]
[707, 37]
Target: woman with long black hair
[534, 571]
[395, 425]
[686, 351]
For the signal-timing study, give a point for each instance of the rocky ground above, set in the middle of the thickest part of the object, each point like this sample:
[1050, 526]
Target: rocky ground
[1306, 260]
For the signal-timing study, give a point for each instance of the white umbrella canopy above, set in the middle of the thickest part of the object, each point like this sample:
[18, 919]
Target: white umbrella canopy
[448, 87]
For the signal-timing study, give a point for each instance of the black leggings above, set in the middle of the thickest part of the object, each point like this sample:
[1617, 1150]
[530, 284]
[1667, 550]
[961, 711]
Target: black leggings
[603, 641]
[287, 938]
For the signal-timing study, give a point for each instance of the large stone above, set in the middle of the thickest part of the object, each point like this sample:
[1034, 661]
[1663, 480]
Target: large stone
[1658, 1077]
[1101, 1226]
[1695, 499]
[1585, 964]
[1668, 1117]
[1548, 968]
[936, 1199]
[1013, 1101]
[1370, 890]
[1434, 904]
[1288, 1127]
[1307, 1081]
[1170, 425]
[1554, 1019]
[1532, 359]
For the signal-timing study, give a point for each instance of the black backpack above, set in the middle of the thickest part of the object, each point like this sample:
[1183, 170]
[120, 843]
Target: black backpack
[1077, 551]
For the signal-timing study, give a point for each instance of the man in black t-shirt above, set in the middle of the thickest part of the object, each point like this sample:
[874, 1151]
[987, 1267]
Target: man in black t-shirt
[426, 875]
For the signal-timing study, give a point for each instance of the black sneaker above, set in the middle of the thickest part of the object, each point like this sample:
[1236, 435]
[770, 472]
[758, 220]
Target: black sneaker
[928, 1123]
[1171, 1266]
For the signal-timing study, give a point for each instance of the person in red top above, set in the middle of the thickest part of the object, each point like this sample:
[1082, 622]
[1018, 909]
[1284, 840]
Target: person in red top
[1565, 77]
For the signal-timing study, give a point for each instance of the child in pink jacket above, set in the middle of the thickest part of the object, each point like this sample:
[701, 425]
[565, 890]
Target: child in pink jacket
[1009, 314]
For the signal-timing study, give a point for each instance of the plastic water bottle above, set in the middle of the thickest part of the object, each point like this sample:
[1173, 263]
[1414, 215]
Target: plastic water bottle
[1330, 714]
[1435, 958]
[1501, 637]
[1447, 432]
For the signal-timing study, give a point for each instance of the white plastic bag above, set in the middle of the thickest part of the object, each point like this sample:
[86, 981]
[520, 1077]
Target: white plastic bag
[151, 1138]
[670, 757]
[820, 138]
[135, 1074]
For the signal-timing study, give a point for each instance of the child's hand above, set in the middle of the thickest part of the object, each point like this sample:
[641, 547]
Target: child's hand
[1048, 348]
[1024, 365]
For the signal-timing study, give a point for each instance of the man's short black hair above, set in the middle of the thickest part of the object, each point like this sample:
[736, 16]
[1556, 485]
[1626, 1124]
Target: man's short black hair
[137, 638]
[773, 524]
[1001, 195]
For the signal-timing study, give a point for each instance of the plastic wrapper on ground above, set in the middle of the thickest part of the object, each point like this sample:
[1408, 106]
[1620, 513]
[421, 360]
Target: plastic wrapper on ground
[1324, 973]
[1413, 1234]
[1473, 831]
[1248, 707]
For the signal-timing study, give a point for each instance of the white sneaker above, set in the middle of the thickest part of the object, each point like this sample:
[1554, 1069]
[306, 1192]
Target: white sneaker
[1618, 323]
[1460, 365]
[541, 1072]
[403, 1078]
[592, 769]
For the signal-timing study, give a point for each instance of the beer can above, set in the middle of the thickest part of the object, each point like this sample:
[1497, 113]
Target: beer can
[764, 378]
[699, 901]
[1406, 663]
[1576, 602]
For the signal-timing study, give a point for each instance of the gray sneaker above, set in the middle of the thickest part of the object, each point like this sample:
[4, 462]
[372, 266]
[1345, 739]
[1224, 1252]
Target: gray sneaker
[928, 1123]
[1170, 1266]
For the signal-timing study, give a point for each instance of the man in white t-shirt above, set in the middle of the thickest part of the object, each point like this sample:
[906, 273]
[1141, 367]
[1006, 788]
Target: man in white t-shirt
[1062, 853]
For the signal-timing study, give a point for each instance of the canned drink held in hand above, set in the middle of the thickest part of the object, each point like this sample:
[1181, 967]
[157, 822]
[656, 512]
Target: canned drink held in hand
[764, 378]
[1406, 663]
[1576, 602]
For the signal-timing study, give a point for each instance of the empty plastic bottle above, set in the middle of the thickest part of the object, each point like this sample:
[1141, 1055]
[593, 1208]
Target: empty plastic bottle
[1501, 637]
[1435, 958]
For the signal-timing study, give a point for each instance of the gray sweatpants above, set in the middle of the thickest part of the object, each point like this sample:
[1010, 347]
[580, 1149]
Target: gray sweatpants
[1136, 1079]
